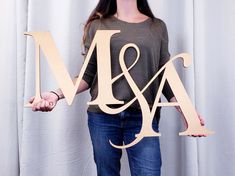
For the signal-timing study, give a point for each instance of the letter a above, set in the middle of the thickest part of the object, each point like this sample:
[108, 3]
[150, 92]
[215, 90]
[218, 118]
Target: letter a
[183, 101]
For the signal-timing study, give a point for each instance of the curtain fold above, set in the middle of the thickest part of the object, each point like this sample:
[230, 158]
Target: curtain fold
[21, 27]
[9, 153]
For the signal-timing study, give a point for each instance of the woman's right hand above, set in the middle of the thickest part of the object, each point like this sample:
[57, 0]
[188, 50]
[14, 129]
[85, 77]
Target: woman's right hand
[47, 103]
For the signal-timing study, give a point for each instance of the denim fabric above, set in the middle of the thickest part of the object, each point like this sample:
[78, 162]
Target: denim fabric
[144, 158]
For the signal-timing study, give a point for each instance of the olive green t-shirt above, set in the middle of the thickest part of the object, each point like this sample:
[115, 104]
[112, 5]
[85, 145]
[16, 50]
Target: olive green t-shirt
[152, 39]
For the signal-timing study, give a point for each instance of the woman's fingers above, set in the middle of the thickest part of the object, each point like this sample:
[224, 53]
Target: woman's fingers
[201, 120]
[47, 102]
[43, 106]
[34, 107]
[199, 135]
[31, 99]
[49, 106]
[38, 105]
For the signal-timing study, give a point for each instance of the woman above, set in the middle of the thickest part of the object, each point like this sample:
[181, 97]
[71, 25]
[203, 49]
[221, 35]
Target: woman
[138, 25]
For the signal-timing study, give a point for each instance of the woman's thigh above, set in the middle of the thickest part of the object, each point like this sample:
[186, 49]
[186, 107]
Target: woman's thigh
[144, 157]
[104, 127]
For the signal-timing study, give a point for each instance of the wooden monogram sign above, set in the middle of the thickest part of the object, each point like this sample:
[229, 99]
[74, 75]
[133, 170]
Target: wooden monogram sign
[101, 43]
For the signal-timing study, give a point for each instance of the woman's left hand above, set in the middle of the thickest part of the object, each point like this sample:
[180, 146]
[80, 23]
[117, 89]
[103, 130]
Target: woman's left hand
[173, 99]
[202, 124]
[201, 120]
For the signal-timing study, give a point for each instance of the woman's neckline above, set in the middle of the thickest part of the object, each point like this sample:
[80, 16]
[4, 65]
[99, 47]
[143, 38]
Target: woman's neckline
[131, 23]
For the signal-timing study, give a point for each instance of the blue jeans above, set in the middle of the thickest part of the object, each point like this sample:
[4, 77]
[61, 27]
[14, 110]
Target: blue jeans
[144, 158]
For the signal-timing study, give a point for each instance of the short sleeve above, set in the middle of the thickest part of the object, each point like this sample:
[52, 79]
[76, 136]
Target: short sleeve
[164, 57]
[164, 51]
[91, 69]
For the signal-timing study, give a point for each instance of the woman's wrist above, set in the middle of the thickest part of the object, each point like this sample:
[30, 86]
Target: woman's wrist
[173, 99]
[58, 96]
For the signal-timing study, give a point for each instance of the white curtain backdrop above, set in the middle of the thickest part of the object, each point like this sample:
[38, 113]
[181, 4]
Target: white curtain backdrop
[58, 143]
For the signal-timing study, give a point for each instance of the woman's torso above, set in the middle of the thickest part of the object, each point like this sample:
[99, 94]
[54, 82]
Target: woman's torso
[148, 36]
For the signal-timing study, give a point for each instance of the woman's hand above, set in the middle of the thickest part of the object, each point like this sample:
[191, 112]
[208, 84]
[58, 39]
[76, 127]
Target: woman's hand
[173, 99]
[202, 122]
[47, 103]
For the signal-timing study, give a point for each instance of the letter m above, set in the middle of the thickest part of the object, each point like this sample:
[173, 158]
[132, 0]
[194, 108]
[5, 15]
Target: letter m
[101, 41]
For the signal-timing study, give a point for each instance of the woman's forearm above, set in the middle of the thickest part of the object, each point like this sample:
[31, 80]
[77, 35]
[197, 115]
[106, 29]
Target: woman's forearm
[83, 86]
[173, 99]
